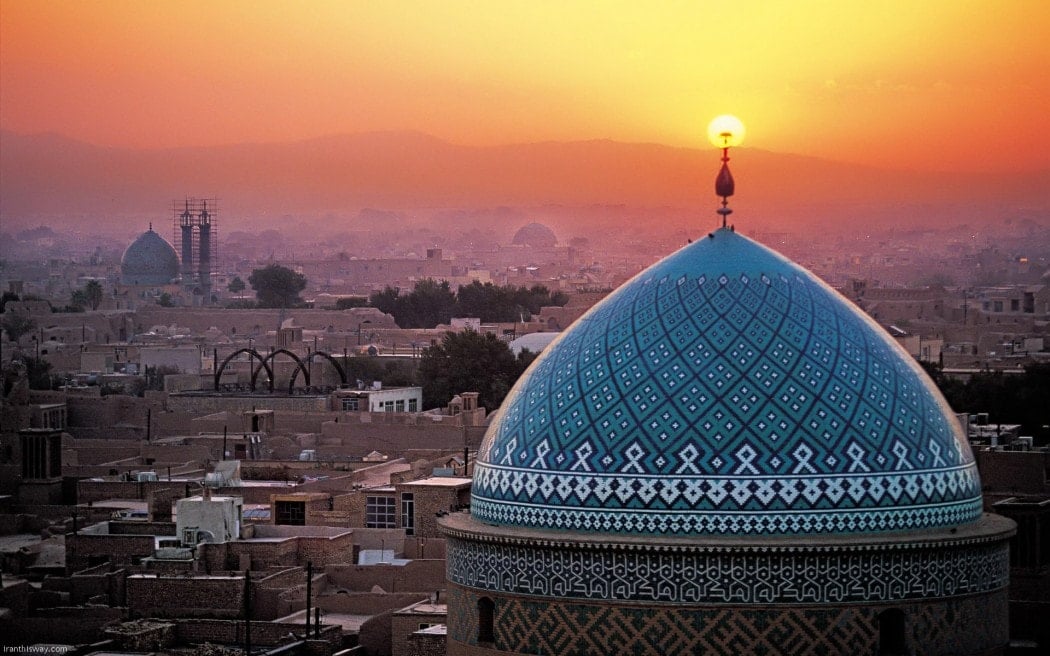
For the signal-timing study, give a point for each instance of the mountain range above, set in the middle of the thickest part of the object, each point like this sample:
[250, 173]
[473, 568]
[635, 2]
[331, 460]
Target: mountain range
[54, 179]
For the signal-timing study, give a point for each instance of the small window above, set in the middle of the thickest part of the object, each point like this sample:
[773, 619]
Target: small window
[408, 513]
[412, 405]
[380, 512]
[350, 404]
[399, 405]
[486, 620]
[290, 513]
[892, 636]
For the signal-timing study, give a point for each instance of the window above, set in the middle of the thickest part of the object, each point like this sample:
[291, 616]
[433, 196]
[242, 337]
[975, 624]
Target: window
[388, 406]
[290, 513]
[486, 613]
[350, 404]
[399, 405]
[412, 406]
[408, 513]
[189, 536]
[892, 638]
[379, 512]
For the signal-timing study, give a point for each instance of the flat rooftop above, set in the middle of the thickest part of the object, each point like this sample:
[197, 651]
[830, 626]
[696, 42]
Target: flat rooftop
[441, 481]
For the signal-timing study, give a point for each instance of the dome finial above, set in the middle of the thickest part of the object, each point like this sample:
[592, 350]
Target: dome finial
[725, 131]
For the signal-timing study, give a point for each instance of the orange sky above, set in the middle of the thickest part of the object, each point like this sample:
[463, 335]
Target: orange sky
[930, 84]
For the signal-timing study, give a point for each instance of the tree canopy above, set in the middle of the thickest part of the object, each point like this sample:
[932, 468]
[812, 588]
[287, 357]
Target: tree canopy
[17, 324]
[277, 286]
[491, 303]
[470, 362]
[93, 293]
[432, 302]
[236, 285]
[1007, 398]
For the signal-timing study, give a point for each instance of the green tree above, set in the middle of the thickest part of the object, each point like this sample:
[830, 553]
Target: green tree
[79, 300]
[429, 303]
[16, 324]
[165, 300]
[277, 286]
[236, 285]
[386, 301]
[5, 297]
[350, 302]
[38, 371]
[1007, 398]
[93, 293]
[469, 362]
[507, 303]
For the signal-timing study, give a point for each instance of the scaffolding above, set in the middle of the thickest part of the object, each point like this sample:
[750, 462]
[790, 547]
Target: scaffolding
[195, 228]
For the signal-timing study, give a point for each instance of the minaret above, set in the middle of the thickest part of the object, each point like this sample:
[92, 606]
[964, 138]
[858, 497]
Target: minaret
[204, 253]
[186, 223]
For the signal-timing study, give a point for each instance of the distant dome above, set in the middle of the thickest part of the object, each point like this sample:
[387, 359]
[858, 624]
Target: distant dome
[725, 390]
[149, 260]
[535, 234]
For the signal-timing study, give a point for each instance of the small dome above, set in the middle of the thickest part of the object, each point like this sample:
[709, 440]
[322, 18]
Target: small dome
[535, 234]
[149, 260]
[725, 390]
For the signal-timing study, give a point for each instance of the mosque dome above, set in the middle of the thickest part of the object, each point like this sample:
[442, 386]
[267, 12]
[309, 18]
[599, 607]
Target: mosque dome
[725, 391]
[149, 260]
[535, 234]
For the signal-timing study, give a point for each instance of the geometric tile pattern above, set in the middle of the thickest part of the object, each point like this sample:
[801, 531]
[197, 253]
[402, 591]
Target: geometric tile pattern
[968, 625]
[724, 390]
[772, 576]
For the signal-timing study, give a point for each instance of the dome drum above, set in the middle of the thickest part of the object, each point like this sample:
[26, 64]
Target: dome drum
[969, 625]
[562, 592]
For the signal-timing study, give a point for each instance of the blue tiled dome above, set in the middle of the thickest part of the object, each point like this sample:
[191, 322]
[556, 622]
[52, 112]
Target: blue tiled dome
[725, 390]
[149, 260]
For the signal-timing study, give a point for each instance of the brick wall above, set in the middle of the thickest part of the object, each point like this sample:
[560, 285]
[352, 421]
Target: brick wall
[230, 632]
[97, 584]
[404, 623]
[92, 491]
[425, 548]
[425, 644]
[429, 501]
[1014, 472]
[85, 550]
[14, 595]
[424, 576]
[231, 556]
[163, 596]
[70, 626]
[358, 439]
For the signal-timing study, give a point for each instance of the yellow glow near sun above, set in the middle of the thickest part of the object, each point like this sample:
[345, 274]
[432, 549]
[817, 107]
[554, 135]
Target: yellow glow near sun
[725, 131]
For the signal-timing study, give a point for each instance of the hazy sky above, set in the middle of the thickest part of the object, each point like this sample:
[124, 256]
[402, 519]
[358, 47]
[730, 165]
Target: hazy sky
[925, 84]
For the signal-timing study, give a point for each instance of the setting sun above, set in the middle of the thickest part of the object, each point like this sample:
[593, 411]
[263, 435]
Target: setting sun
[726, 131]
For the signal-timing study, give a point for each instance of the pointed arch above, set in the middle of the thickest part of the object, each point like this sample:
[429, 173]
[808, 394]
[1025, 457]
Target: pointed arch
[269, 359]
[327, 356]
[253, 355]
